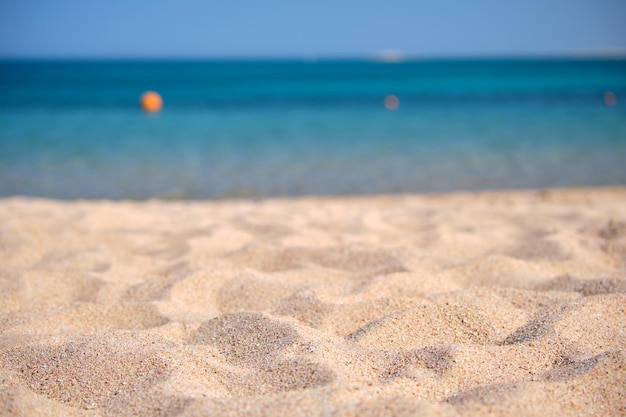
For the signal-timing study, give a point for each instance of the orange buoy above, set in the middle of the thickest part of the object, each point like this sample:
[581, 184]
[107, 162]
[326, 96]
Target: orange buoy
[151, 101]
[392, 102]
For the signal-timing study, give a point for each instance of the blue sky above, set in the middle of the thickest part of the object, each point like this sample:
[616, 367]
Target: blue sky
[240, 28]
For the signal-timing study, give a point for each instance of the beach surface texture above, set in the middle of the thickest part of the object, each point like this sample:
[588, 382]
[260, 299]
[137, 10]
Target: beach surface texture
[498, 303]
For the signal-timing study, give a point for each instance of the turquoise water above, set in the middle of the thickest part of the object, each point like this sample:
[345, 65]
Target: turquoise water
[268, 128]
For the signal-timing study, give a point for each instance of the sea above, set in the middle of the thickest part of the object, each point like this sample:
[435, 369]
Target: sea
[73, 129]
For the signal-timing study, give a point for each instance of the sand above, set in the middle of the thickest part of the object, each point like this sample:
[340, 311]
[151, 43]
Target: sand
[503, 303]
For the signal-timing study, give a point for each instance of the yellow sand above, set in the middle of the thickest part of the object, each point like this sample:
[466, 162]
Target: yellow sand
[508, 303]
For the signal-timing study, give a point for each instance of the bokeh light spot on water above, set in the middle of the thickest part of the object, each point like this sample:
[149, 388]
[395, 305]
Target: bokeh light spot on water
[392, 102]
[610, 99]
[151, 101]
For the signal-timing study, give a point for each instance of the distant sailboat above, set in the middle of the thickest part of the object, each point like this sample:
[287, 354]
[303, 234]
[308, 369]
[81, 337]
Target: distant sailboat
[390, 56]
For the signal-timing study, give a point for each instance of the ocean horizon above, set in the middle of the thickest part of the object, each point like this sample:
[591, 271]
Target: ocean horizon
[262, 128]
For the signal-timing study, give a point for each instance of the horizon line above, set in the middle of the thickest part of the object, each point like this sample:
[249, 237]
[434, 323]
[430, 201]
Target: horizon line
[389, 56]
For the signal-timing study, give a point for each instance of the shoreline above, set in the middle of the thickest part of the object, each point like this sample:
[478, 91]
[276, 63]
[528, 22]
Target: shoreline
[468, 303]
[539, 191]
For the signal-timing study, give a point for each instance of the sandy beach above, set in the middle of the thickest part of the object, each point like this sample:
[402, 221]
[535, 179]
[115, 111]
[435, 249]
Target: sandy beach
[471, 304]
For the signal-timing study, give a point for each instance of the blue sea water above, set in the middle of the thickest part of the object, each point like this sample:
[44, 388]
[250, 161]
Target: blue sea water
[72, 129]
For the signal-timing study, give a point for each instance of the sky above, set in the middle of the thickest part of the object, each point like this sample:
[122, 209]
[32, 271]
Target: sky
[292, 28]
